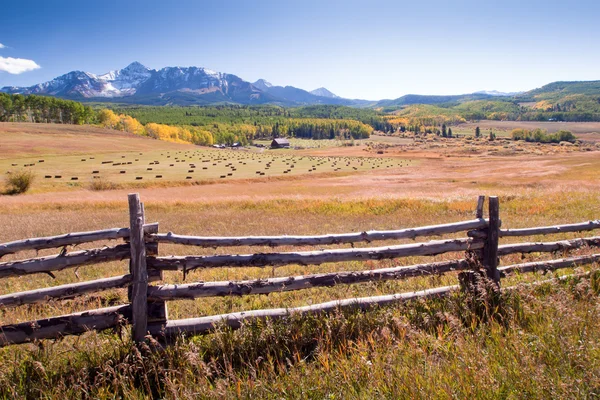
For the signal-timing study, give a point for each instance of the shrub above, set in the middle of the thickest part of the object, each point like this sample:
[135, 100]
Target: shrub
[541, 136]
[18, 182]
[102, 184]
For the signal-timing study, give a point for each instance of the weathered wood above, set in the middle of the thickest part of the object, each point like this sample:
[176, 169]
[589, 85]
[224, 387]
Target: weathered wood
[548, 247]
[235, 320]
[290, 283]
[139, 305]
[62, 261]
[550, 265]
[70, 290]
[479, 209]
[490, 250]
[68, 239]
[548, 230]
[368, 236]
[478, 234]
[71, 324]
[188, 263]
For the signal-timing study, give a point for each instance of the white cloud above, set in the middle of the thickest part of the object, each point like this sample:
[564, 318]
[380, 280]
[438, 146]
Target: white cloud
[17, 65]
[2, 46]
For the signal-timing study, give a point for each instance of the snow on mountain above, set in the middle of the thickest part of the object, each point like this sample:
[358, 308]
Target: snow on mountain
[124, 82]
[175, 85]
[262, 85]
[322, 92]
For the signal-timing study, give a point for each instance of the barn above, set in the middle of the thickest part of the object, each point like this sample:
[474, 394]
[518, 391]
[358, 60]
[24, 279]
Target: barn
[280, 143]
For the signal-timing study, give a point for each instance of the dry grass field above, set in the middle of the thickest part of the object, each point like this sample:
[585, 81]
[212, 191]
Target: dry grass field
[542, 342]
[583, 130]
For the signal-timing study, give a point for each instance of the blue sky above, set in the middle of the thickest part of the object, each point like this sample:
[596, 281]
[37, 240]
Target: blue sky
[357, 49]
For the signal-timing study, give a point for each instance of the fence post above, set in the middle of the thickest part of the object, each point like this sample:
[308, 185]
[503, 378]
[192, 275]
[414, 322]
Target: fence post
[137, 268]
[479, 211]
[490, 250]
[157, 310]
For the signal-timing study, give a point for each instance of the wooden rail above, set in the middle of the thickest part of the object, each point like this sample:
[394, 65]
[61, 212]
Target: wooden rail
[548, 247]
[547, 230]
[290, 283]
[188, 263]
[71, 290]
[69, 239]
[369, 236]
[59, 262]
[147, 312]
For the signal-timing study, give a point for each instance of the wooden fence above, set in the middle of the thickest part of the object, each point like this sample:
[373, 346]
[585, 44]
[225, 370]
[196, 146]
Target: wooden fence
[147, 310]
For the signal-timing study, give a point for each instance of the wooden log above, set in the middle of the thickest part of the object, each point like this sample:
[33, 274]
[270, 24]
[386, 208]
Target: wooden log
[62, 261]
[548, 230]
[70, 290]
[290, 283]
[68, 239]
[548, 247]
[490, 250]
[71, 324]
[235, 320]
[479, 209]
[138, 270]
[369, 236]
[188, 263]
[550, 265]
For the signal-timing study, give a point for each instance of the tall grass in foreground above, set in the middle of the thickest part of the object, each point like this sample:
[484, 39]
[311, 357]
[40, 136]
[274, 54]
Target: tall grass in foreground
[541, 342]
[538, 342]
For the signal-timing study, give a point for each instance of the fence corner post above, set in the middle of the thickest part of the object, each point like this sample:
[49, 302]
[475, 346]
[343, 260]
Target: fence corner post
[138, 270]
[490, 250]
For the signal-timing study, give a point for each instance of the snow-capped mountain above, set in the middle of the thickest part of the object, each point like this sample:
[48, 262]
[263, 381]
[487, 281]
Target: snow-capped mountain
[174, 85]
[124, 82]
[139, 84]
[324, 93]
[263, 85]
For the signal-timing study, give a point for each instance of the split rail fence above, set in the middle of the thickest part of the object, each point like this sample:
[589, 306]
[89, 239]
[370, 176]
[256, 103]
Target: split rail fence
[146, 309]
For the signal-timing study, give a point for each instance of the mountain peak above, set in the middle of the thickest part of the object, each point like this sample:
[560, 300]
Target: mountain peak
[322, 92]
[136, 66]
[262, 84]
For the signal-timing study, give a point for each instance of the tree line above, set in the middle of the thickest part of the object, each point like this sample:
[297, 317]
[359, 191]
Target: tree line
[33, 108]
[243, 133]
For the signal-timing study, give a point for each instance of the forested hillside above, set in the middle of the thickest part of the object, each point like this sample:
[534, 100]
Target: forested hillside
[31, 108]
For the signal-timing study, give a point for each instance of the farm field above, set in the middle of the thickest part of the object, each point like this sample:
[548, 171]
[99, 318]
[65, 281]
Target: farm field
[105, 156]
[583, 130]
[426, 183]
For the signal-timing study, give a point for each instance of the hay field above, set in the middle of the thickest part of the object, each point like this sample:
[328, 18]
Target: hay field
[79, 156]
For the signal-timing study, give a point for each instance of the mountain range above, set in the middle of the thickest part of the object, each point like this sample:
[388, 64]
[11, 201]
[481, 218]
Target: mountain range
[138, 84]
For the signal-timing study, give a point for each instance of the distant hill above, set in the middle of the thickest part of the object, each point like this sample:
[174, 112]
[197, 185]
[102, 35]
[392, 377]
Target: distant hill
[410, 99]
[558, 90]
[293, 95]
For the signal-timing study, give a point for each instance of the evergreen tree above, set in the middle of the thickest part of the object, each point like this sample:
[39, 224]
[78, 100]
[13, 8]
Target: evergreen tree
[477, 132]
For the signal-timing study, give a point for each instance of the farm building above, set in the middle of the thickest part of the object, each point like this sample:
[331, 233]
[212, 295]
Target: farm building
[280, 143]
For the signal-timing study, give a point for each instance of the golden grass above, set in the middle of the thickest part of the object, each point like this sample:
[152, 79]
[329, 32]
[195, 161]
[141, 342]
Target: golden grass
[543, 345]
